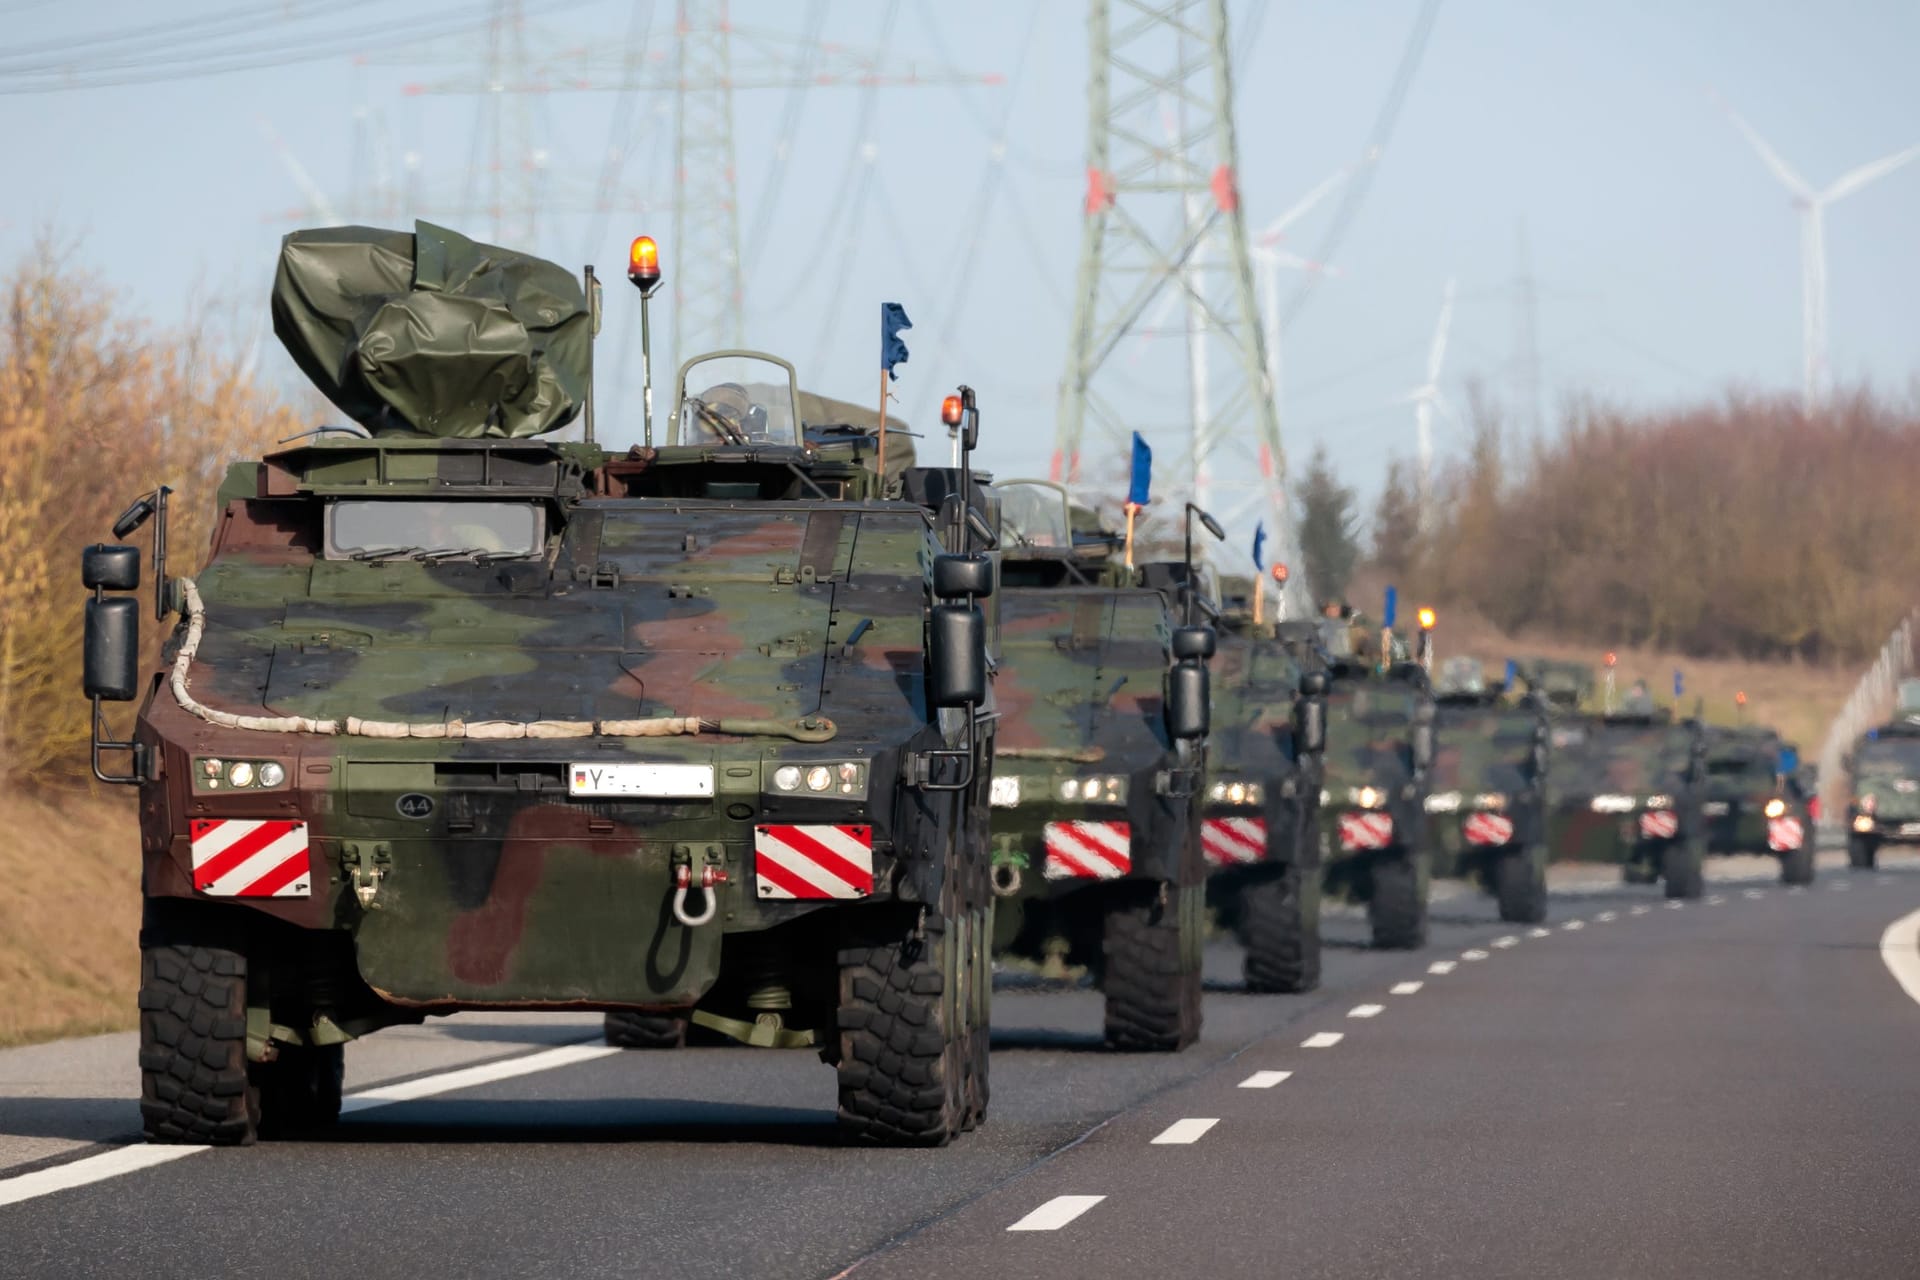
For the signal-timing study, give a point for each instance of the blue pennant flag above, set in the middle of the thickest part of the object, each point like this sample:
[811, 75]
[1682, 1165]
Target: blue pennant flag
[1393, 607]
[1142, 482]
[893, 318]
[1259, 545]
[1513, 671]
[1679, 685]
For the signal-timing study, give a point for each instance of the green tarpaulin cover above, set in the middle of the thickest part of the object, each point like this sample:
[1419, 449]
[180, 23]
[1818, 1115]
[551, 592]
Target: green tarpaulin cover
[432, 332]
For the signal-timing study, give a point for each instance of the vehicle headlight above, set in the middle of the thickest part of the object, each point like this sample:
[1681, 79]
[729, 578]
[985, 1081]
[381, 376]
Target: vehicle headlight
[1366, 797]
[1863, 823]
[240, 773]
[271, 774]
[1490, 800]
[1660, 802]
[1070, 789]
[1108, 788]
[215, 774]
[1218, 791]
[1004, 791]
[1776, 807]
[1443, 802]
[835, 777]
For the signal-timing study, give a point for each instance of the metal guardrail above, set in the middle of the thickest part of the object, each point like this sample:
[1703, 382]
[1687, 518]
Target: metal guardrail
[1870, 703]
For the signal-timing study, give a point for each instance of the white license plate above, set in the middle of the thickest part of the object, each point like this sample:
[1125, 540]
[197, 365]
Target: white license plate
[1910, 828]
[1716, 808]
[661, 781]
[1004, 793]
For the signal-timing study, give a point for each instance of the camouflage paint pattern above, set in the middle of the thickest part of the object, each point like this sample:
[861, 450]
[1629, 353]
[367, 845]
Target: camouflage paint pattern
[496, 888]
[1256, 694]
[1370, 745]
[1597, 756]
[1484, 748]
[1884, 768]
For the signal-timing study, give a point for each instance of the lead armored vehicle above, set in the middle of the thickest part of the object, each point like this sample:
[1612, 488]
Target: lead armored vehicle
[457, 716]
[1260, 822]
[1100, 753]
[1487, 809]
[1625, 789]
[1380, 744]
[1751, 802]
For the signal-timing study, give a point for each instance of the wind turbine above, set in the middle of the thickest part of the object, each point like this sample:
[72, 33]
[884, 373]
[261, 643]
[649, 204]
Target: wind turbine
[1270, 258]
[1426, 398]
[1812, 206]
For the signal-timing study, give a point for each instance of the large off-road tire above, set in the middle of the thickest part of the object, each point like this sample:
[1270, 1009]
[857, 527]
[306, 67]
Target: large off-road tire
[194, 1084]
[298, 1093]
[1520, 883]
[904, 1042]
[1862, 851]
[1796, 865]
[1151, 951]
[626, 1029]
[975, 1084]
[1397, 909]
[1682, 868]
[1280, 928]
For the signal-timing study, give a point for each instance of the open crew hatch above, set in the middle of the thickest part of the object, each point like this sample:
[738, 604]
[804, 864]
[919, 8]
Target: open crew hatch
[736, 397]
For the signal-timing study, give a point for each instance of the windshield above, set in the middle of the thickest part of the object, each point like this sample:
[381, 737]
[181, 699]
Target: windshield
[736, 400]
[1034, 515]
[370, 529]
[1889, 757]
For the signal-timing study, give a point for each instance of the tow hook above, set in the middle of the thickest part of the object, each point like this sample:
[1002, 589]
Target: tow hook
[1006, 879]
[683, 883]
[366, 867]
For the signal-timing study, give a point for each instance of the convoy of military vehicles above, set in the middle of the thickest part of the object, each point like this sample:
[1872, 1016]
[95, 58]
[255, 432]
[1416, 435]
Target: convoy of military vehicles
[768, 732]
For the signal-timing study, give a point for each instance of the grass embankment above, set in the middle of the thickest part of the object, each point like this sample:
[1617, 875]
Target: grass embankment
[69, 915]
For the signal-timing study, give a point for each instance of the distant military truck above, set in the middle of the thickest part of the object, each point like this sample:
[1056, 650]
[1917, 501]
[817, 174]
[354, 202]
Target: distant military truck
[457, 716]
[1100, 754]
[1624, 789]
[1380, 745]
[1752, 800]
[1487, 806]
[1884, 790]
[1260, 827]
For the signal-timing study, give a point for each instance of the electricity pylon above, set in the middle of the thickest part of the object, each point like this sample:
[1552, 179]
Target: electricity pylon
[1162, 211]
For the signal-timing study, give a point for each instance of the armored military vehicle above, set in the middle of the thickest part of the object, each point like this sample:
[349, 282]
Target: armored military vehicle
[1487, 809]
[1096, 840]
[1752, 802]
[1625, 789]
[1380, 743]
[1260, 822]
[1884, 804]
[458, 716]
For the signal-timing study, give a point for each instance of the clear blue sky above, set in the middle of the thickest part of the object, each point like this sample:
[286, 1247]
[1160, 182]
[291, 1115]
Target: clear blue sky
[1667, 255]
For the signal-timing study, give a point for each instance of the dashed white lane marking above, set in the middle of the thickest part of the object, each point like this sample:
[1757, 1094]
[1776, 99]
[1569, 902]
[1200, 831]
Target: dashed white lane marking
[1883, 879]
[1184, 1132]
[1323, 1040]
[1796, 889]
[1441, 967]
[1839, 886]
[124, 1160]
[1606, 917]
[1365, 1011]
[1537, 932]
[1474, 954]
[1573, 925]
[1676, 906]
[1056, 1213]
[1753, 893]
[1900, 952]
[1406, 988]
[1640, 910]
[1264, 1079]
[1509, 941]
[1715, 900]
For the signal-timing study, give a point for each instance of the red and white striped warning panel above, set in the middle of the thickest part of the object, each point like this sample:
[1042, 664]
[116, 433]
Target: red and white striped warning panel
[1784, 834]
[1659, 824]
[250, 858]
[1088, 850]
[1487, 828]
[1232, 842]
[817, 861]
[1365, 830]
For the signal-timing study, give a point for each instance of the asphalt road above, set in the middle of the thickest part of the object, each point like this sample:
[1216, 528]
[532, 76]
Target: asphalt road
[1724, 1089]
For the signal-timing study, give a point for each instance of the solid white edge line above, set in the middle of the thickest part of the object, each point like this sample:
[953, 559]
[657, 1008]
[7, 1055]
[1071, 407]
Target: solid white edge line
[1265, 1079]
[1056, 1213]
[1900, 952]
[134, 1158]
[1406, 988]
[1323, 1040]
[1185, 1132]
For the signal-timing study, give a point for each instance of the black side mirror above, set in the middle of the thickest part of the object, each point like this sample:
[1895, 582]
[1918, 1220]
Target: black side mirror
[1189, 714]
[1310, 721]
[957, 661]
[1423, 743]
[110, 568]
[1193, 643]
[961, 577]
[1314, 684]
[110, 652]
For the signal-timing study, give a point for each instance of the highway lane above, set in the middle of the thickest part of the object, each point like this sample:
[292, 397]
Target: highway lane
[713, 1162]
